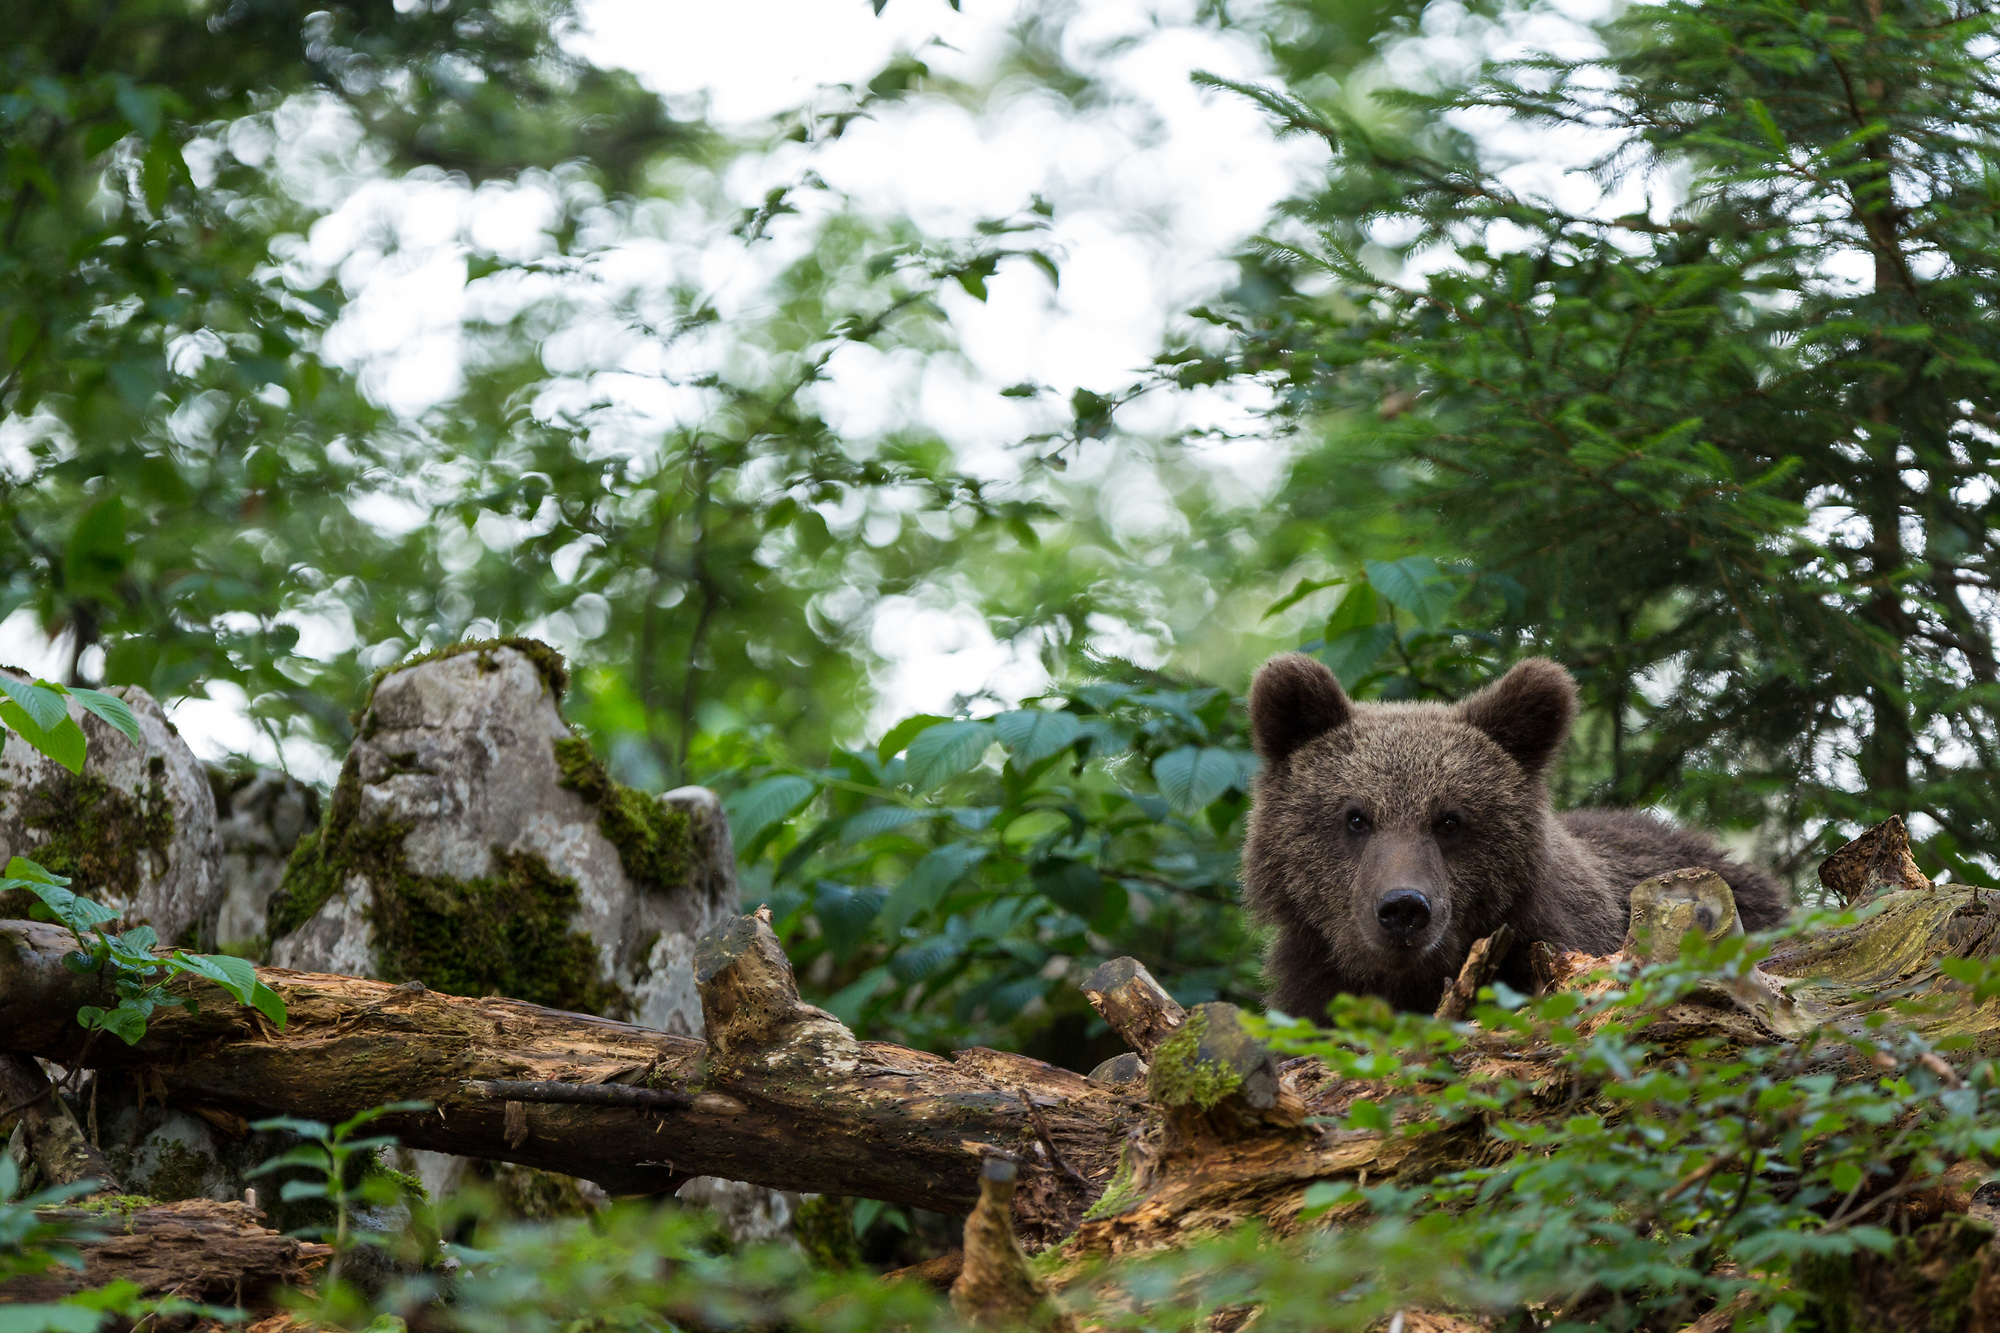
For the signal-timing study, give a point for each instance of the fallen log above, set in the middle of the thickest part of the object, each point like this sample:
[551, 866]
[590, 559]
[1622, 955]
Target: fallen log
[783, 1095]
[196, 1249]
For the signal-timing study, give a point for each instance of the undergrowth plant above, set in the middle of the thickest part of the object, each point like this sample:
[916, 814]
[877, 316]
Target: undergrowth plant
[338, 1155]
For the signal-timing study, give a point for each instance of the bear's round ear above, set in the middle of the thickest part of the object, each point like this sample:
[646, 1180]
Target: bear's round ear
[1527, 711]
[1294, 699]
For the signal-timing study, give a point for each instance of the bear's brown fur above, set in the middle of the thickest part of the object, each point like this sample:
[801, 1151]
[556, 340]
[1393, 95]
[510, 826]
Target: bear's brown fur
[1361, 806]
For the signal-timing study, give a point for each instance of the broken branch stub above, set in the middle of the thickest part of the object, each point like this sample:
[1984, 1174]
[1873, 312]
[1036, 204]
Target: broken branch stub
[995, 1288]
[1137, 1007]
[1877, 862]
[1482, 964]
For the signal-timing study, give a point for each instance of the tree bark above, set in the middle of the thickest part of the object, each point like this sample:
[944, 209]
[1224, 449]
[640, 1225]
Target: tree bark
[197, 1249]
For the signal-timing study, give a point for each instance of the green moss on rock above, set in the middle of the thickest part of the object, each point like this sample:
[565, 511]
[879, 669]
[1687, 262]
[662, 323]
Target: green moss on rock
[503, 934]
[1178, 1076]
[95, 832]
[547, 661]
[824, 1226]
[653, 839]
[507, 933]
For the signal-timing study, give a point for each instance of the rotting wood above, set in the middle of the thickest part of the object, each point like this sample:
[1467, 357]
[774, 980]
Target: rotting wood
[1878, 861]
[1137, 1007]
[786, 1096]
[1482, 964]
[995, 1288]
[198, 1249]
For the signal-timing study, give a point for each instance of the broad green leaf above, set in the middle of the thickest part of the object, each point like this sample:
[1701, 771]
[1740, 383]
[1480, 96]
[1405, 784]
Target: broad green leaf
[1031, 734]
[21, 868]
[238, 976]
[762, 804]
[41, 702]
[140, 939]
[1074, 886]
[1359, 609]
[111, 708]
[50, 1319]
[1845, 1177]
[270, 1004]
[1414, 584]
[63, 742]
[942, 752]
[1351, 656]
[924, 959]
[1192, 776]
[302, 1189]
[127, 1022]
[903, 733]
[879, 820]
[1364, 1114]
[928, 883]
[1305, 589]
[78, 914]
[849, 1002]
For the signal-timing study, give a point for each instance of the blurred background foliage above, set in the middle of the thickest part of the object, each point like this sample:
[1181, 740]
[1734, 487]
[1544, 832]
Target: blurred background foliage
[1741, 491]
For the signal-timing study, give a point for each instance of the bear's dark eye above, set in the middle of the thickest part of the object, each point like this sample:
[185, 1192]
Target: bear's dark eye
[1449, 826]
[1358, 822]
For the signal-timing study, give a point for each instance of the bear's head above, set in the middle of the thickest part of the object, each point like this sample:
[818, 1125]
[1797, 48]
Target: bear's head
[1397, 834]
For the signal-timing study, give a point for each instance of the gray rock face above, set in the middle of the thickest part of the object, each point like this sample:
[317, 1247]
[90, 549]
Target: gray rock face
[261, 816]
[136, 830]
[465, 805]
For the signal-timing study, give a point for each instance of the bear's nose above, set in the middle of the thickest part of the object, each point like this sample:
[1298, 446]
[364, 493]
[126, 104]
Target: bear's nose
[1403, 913]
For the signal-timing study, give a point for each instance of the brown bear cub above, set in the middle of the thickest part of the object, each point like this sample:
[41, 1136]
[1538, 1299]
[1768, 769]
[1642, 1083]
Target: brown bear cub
[1386, 838]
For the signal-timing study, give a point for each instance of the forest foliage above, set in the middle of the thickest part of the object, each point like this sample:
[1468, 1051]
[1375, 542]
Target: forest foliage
[1713, 424]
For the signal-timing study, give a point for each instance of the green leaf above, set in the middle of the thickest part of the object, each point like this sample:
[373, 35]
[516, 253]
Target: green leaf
[928, 883]
[1192, 776]
[1414, 585]
[903, 733]
[1845, 1177]
[1305, 589]
[878, 820]
[50, 1319]
[64, 743]
[760, 805]
[78, 914]
[22, 869]
[1351, 655]
[127, 1022]
[1033, 733]
[111, 708]
[1074, 886]
[238, 976]
[270, 1004]
[1359, 609]
[942, 752]
[97, 553]
[1364, 1114]
[41, 701]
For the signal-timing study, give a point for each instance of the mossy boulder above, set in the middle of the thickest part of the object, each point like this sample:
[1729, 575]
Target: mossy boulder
[475, 844]
[136, 830]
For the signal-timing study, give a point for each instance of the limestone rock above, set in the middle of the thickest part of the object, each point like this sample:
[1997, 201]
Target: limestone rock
[136, 830]
[261, 814]
[474, 843]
